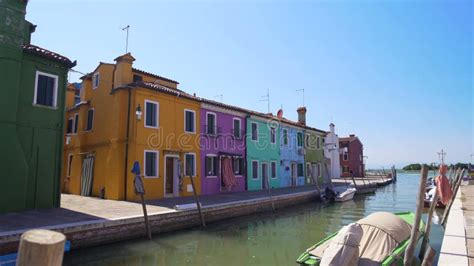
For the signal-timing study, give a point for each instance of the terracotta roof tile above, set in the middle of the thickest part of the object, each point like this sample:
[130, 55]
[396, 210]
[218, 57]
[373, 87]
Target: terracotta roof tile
[154, 75]
[36, 50]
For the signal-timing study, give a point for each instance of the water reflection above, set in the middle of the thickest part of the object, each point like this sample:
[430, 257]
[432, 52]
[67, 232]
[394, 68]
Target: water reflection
[261, 239]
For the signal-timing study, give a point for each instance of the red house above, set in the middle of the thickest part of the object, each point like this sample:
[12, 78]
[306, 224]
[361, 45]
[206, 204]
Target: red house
[352, 156]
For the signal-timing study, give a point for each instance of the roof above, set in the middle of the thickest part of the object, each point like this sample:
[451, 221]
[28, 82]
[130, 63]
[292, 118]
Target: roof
[348, 139]
[36, 50]
[153, 75]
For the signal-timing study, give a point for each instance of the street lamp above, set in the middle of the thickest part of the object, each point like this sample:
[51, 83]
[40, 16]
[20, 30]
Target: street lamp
[138, 113]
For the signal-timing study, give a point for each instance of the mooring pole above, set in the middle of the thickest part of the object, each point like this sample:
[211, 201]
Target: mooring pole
[203, 223]
[450, 204]
[270, 192]
[409, 252]
[426, 236]
[41, 247]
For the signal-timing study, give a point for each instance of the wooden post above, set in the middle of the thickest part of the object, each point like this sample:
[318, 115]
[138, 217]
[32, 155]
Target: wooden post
[270, 192]
[426, 237]
[455, 191]
[353, 180]
[41, 247]
[429, 257]
[203, 223]
[145, 214]
[408, 259]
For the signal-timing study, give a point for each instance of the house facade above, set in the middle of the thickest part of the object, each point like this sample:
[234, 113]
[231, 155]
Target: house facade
[263, 152]
[31, 117]
[352, 156]
[126, 115]
[315, 162]
[222, 148]
[291, 155]
[332, 152]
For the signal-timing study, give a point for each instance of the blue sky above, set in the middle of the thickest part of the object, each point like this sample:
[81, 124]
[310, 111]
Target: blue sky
[396, 73]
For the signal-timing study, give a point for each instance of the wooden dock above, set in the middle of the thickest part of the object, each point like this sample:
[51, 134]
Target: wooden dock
[364, 185]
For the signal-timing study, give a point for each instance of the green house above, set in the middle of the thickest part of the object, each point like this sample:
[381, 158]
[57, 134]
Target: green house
[31, 114]
[314, 156]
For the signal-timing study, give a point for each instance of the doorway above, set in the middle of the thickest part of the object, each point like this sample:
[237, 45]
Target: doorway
[264, 175]
[294, 174]
[87, 176]
[171, 176]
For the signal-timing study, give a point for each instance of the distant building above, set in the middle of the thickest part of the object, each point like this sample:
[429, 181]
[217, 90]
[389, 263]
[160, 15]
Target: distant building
[332, 153]
[352, 156]
[31, 114]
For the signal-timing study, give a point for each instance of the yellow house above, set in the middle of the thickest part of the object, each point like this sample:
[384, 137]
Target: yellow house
[122, 115]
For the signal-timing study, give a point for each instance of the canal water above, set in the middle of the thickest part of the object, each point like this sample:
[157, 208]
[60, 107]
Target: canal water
[263, 239]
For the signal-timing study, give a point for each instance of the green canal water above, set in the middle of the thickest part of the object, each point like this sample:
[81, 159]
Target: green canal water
[264, 239]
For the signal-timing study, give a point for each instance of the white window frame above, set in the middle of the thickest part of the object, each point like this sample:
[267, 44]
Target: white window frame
[308, 170]
[195, 163]
[285, 137]
[251, 131]
[320, 170]
[195, 126]
[55, 90]
[157, 114]
[240, 127]
[205, 163]
[207, 122]
[271, 170]
[240, 166]
[302, 139]
[157, 163]
[318, 142]
[87, 120]
[273, 135]
[74, 128]
[258, 170]
[70, 158]
[345, 152]
[95, 79]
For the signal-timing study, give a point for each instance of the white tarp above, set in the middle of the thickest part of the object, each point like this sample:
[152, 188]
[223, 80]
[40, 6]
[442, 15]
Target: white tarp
[344, 247]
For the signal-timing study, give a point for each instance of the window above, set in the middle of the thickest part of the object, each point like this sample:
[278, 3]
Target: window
[77, 93]
[90, 119]
[255, 169]
[254, 131]
[345, 169]
[237, 128]
[211, 124]
[189, 121]
[300, 139]
[238, 166]
[345, 155]
[285, 136]
[211, 165]
[95, 80]
[76, 123]
[137, 78]
[308, 169]
[69, 164]
[69, 126]
[151, 164]
[318, 143]
[306, 139]
[151, 114]
[300, 169]
[319, 170]
[273, 170]
[272, 135]
[190, 164]
[46, 89]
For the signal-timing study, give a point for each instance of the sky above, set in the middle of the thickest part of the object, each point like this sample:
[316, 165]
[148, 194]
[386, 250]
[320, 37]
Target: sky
[398, 74]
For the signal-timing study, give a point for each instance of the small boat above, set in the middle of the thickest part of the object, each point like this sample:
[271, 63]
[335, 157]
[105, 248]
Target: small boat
[378, 239]
[429, 194]
[345, 195]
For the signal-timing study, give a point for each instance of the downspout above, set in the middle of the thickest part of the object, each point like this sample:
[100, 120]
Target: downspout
[126, 143]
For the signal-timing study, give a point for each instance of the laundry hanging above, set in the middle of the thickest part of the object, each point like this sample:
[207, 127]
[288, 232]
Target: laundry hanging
[228, 174]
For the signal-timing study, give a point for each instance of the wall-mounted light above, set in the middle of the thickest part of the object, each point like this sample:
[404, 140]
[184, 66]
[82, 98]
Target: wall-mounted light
[138, 113]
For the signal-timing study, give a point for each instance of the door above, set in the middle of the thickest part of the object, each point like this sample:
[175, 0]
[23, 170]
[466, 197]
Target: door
[314, 173]
[294, 174]
[171, 176]
[87, 176]
[264, 175]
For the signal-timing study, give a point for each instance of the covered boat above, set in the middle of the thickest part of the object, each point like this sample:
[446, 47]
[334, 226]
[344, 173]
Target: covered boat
[385, 236]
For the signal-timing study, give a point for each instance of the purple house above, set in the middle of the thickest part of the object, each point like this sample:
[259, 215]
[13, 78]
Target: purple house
[222, 144]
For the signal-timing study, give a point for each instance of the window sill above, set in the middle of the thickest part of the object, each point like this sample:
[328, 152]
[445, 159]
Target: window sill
[45, 106]
[189, 132]
[211, 176]
[151, 127]
[151, 177]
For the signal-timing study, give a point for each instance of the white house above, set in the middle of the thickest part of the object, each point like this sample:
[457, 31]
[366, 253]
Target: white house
[331, 152]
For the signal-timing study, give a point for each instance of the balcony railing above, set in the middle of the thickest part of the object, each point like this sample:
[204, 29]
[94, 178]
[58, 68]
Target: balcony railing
[212, 130]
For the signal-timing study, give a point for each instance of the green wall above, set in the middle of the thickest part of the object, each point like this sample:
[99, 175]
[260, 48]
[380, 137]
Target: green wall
[315, 155]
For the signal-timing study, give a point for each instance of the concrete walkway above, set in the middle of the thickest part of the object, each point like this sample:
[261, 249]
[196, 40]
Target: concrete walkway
[458, 241]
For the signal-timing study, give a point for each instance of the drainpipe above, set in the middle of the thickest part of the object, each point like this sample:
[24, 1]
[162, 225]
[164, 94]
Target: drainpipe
[126, 143]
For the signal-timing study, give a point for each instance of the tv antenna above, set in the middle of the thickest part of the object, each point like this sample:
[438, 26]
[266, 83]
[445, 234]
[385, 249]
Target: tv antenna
[220, 97]
[266, 98]
[441, 155]
[126, 40]
[302, 90]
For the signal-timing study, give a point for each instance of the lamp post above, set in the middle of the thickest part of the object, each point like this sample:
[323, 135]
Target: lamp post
[138, 112]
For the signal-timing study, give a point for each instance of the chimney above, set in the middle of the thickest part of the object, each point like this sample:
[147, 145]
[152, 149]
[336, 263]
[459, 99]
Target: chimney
[123, 70]
[301, 115]
[331, 128]
[352, 135]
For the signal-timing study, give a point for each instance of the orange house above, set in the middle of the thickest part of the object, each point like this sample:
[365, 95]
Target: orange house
[121, 115]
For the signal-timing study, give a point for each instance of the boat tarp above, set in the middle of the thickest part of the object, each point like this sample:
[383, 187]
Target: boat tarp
[382, 232]
[344, 248]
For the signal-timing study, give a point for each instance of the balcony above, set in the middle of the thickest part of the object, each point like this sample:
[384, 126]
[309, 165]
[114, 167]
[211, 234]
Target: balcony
[212, 131]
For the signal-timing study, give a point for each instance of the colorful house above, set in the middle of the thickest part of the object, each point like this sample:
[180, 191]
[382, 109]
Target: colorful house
[222, 145]
[352, 156]
[31, 117]
[263, 152]
[331, 152]
[127, 115]
[292, 152]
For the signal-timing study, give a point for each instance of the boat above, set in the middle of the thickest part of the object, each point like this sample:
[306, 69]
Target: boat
[382, 240]
[430, 191]
[345, 195]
